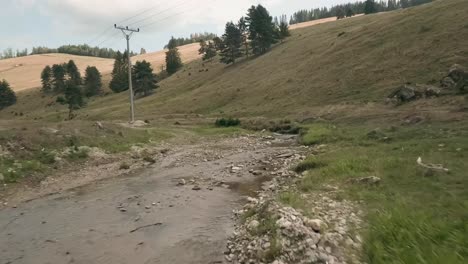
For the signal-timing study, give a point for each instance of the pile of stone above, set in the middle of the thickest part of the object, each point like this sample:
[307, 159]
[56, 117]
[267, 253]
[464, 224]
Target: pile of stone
[456, 82]
[270, 232]
[282, 235]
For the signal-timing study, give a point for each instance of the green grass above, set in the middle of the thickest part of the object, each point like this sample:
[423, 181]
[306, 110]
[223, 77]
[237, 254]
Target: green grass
[313, 73]
[14, 170]
[414, 216]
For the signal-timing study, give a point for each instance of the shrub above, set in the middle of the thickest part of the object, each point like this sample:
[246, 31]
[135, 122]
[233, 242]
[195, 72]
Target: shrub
[227, 122]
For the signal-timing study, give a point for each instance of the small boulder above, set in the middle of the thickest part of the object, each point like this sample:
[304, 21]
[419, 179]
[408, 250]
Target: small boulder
[316, 224]
[253, 225]
[181, 182]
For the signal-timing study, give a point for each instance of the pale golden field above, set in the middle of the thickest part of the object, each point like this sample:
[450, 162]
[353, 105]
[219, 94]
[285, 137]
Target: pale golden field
[24, 72]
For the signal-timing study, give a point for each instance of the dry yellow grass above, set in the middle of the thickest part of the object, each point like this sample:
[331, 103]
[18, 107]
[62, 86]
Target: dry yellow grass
[24, 72]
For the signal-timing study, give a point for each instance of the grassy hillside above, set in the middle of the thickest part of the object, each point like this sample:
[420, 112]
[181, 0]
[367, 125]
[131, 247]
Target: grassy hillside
[325, 68]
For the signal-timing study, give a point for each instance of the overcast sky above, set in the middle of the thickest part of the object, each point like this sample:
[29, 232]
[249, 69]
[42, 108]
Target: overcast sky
[51, 23]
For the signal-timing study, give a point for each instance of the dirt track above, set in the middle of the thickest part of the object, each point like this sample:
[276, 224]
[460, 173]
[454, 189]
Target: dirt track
[146, 217]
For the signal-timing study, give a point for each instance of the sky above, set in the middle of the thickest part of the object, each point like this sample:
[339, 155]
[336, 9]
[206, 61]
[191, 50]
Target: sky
[51, 23]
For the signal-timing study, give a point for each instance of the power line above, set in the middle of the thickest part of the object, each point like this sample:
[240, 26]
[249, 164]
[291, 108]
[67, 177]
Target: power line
[143, 11]
[158, 13]
[173, 15]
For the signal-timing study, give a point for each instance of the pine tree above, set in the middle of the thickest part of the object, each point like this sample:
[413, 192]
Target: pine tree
[173, 60]
[7, 95]
[46, 79]
[218, 43]
[119, 82]
[58, 73]
[73, 72]
[349, 11]
[261, 29]
[210, 51]
[283, 28]
[145, 79]
[244, 29]
[369, 7]
[73, 97]
[340, 13]
[92, 81]
[202, 48]
[232, 41]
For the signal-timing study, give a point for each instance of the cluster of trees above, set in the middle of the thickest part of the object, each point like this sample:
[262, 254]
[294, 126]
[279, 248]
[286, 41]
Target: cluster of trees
[195, 37]
[65, 80]
[349, 9]
[144, 81]
[7, 95]
[9, 53]
[253, 34]
[81, 50]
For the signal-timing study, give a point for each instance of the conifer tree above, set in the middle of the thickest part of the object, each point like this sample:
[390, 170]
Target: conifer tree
[119, 82]
[145, 79]
[46, 79]
[244, 29]
[58, 73]
[73, 97]
[210, 51]
[261, 29]
[202, 48]
[340, 13]
[349, 11]
[218, 43]
[73, 72]
[283, 28]
[7, 95]
[369, 7]
[173, 60]
[232, 41]
[92, 81]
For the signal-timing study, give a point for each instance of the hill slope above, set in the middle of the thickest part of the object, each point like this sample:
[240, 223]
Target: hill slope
[355, 61]
[347, 66]
[24, 72]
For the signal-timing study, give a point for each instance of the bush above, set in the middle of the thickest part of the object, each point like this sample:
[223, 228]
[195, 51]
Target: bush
[7, 95]
[284, 126]
[61, 100]
[46, 157]
[227, 122]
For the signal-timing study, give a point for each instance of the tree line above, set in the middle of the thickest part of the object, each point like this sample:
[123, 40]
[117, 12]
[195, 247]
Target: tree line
[80, 50]
[349, 9]
[9, 53]
[194, 37]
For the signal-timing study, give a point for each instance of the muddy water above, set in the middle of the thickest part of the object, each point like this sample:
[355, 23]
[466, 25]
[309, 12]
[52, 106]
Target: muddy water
[144, 218]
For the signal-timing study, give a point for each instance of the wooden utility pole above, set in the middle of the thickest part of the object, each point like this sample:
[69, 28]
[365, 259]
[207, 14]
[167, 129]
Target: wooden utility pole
[128, 33]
